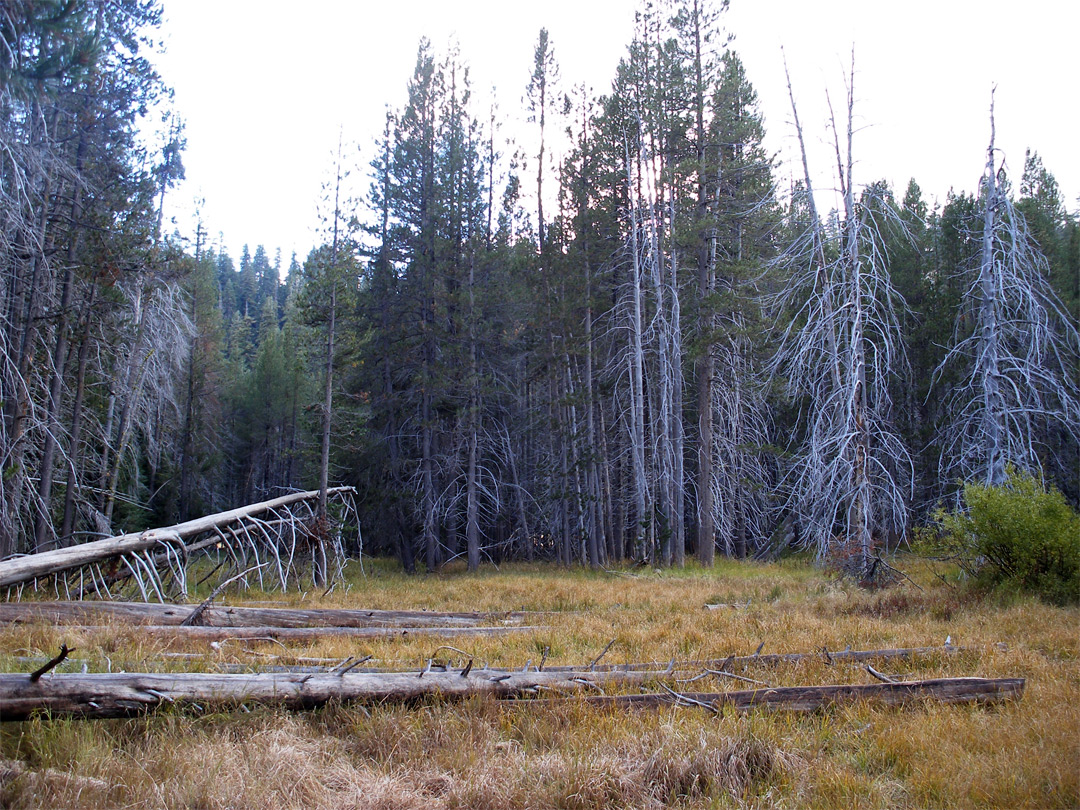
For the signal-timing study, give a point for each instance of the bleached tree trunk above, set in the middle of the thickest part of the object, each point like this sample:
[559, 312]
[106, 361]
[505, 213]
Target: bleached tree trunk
[427, 473]
[636, 361]
[519, 492]
[131, 383]
[662, 429]
[613, 522]
[678, 429]
[989, 332]
[276, 537]
[860, 514]
[472, 513]
[595, 524]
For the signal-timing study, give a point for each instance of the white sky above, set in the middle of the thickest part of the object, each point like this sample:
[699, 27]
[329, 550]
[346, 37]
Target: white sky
[265, 86]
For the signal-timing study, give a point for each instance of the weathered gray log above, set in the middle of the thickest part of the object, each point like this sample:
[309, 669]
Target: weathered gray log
[119, 695]
[87, 612]
[122, 694]
[46, 563]
[771, 660]
[200, 633]
[811, 698]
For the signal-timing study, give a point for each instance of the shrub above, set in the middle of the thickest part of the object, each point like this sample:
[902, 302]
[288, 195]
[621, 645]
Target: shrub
[1021, 534]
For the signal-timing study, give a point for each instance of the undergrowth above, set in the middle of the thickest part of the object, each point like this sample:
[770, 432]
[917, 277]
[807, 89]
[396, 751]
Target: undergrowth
[1022, 536]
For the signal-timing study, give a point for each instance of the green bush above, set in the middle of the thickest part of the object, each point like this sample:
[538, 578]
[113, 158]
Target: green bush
[1021, 534]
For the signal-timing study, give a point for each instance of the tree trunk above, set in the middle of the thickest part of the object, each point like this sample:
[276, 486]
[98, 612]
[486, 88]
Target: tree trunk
[993, 400]
[706, 371]
[321, 575]
[131, 385]
[636, 360]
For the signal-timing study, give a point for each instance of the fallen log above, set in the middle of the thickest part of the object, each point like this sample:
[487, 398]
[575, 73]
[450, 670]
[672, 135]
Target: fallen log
[983, 691]
[223, 616]
[100, 695]
[298, 634]
[46, 563]
[125, 694]
[770, 660]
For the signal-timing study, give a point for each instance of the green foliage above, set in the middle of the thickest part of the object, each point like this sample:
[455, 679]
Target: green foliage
[1021, 534]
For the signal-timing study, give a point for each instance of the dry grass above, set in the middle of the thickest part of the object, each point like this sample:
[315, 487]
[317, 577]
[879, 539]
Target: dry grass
[480, 754]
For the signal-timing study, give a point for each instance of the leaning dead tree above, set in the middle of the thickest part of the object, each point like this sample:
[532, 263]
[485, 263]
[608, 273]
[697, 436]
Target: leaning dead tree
[852, 476]
[272, 544]
[1020, 358]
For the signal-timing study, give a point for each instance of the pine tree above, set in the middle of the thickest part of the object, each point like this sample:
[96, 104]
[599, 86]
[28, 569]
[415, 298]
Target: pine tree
[201, 396]
[742, 227]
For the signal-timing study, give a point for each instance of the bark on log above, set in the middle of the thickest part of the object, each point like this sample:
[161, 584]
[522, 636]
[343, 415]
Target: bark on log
[123, 694]
[299, 634]
[811, 698]
[32, 566]
[223, 616]
[118, 695]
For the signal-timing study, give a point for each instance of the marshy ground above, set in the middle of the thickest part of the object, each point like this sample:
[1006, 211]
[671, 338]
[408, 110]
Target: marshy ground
[485, 754]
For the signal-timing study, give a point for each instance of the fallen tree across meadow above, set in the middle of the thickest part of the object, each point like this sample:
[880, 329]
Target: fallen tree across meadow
[984, 691]
[101, 695]
[305, 635]
[124, 694]
[151, 613]
[272, 541]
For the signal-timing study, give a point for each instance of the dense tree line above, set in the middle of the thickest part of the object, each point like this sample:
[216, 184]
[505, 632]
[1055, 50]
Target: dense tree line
[655, 351]
[94, 324]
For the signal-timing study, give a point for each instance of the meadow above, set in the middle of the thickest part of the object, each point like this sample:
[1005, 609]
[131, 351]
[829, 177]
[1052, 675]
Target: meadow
[483, 753]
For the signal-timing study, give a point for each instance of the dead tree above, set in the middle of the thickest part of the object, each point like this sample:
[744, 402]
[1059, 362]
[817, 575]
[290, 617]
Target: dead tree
[851, 476]
[125, 694]
[272, 542]
[1021, 357]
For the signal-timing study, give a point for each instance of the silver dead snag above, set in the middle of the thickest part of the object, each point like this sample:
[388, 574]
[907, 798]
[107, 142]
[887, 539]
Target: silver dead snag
[851, 475]
[278, 543]
[1019, 361]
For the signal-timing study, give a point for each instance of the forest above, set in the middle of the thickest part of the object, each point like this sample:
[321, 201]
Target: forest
[633, 342]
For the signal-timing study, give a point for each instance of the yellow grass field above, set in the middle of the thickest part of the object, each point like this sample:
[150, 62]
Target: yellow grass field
[485, 754]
